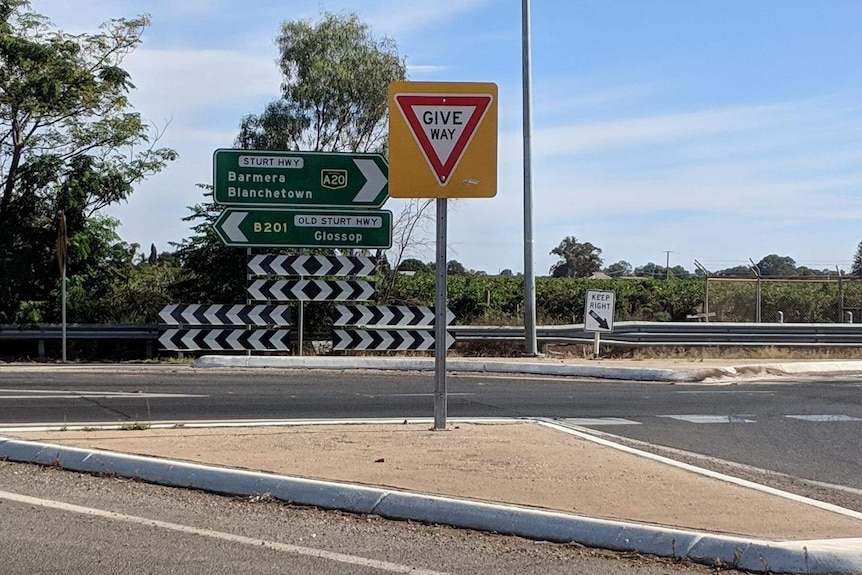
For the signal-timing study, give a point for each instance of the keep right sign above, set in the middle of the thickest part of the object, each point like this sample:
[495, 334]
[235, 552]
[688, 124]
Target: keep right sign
[599, 311]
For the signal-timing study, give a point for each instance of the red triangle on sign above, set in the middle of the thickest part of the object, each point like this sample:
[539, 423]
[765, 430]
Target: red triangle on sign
[443, 126]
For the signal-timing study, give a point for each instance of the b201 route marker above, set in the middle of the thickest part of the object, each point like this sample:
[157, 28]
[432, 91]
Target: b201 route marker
[309, 228]
[296, 179]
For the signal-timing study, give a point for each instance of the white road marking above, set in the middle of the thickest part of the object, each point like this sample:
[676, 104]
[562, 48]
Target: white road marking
[450, 394]
[594, 421]
[200, 424]
[294, 549]
[702, 471]
[709, 418]
[726, 391]
[73, 394]
[824, 417]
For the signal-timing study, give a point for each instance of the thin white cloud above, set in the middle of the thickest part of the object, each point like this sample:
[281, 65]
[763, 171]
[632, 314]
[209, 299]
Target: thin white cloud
[176, 81]
[414, 70]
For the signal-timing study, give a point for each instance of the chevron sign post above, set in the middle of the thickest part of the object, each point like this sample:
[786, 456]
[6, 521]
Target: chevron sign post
[310, 290]
[217, 315]
[386, 315]
[225, 339]
[386, 340]
[270, 265]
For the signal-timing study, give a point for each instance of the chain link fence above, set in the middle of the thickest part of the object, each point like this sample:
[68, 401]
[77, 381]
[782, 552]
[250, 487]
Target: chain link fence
[836, 299]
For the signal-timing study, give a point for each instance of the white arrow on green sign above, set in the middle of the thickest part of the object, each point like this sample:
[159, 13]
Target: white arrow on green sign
[308, 228]
[297, 179]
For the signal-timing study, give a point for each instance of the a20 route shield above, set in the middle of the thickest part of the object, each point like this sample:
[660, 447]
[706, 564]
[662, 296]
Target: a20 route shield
[296, 179]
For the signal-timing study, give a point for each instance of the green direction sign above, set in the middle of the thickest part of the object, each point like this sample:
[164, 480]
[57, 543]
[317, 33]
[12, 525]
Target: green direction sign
[306, 228]
[297, 179]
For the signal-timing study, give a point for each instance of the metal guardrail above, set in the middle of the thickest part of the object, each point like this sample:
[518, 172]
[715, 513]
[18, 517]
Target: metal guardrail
[703, 334]
[628, 333]
[81, 331]
[147, 333]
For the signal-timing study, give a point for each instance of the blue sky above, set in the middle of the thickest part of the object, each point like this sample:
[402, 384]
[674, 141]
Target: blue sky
[718, 130]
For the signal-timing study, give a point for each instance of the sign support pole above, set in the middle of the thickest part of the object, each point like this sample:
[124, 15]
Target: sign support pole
[62, 253]
[247, 284]
[440, 323]
[596, 339]
[530, 342]
[300, 318]
[64, 313]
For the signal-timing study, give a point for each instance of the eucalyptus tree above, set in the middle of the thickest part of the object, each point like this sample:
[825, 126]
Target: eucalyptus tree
[334, 98]
[334, 90]
[577, 259]
[70, 141]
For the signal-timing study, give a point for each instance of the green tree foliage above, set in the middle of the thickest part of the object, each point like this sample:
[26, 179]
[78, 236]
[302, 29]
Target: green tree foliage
[621, 268]
[578, 259]
[856, 269]
[500, 300]
[656, 271]
[336, 77]
[211, 271]
[413, 265]
[68, 141]
[810, 272]
[335, 81]
[775, 265]
[741, 271]
[455, 268]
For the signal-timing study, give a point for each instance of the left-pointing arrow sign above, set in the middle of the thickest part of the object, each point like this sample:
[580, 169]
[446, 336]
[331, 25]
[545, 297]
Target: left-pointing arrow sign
[305, 228]
[231, 227]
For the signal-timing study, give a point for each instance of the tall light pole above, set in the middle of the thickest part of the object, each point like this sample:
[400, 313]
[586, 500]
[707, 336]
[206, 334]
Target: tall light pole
[530, 345]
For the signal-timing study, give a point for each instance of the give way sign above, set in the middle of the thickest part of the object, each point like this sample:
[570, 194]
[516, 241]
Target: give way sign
[442, 140]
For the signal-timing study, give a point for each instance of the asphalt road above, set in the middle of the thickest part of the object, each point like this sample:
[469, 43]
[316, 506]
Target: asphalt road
[56, 522]
[805, 428]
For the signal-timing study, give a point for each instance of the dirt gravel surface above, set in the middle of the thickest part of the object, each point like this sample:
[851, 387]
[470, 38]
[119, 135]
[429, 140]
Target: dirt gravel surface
[518, 463]
[61, 543]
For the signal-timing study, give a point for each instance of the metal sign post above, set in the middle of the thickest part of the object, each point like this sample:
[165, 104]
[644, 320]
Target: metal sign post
[300, 319]
[62, 252]
[440, 322]
[442, 144]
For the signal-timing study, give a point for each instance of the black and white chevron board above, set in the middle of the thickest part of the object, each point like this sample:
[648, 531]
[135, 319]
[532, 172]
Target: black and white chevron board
[310, 290]
[225, 315]
[225, 339]
[386, 315]
[386, 340]
[272, 265]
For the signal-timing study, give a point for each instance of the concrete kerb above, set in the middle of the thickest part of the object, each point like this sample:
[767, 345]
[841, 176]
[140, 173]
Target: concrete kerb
[826, 556]
[464, 366]
[679, 375]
